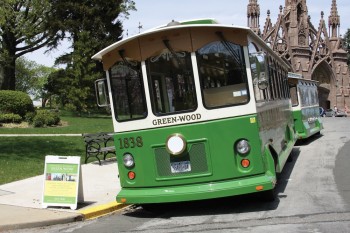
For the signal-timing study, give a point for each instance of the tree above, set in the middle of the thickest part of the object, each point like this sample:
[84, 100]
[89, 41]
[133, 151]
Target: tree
[92, 25]
[56, 87]
[32, 77]
[25, 26]
[346, 44]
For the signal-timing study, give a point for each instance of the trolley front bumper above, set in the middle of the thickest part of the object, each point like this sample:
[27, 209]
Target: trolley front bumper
[200, 191]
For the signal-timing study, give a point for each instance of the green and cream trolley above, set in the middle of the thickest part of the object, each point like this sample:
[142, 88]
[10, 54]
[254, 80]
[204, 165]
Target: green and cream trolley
[305, 105]
[200, 110]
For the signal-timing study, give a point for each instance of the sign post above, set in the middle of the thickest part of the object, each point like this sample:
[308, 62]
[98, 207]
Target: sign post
[62, 182]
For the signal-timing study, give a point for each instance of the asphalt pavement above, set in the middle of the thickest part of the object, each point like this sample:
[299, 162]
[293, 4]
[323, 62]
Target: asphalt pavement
[21, 201]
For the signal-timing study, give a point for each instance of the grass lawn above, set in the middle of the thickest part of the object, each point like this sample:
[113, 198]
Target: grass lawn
[24, 157]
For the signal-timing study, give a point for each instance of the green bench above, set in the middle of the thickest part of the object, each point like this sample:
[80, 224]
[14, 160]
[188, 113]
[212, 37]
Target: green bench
[98, 144]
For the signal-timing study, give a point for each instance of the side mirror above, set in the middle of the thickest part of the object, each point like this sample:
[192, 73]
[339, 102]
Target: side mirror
[262, 81]
[101, 93]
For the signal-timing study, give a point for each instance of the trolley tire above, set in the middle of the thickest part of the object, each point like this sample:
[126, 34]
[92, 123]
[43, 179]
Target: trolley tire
[270, 195]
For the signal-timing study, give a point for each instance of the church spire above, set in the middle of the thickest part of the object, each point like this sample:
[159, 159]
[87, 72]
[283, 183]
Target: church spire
[334, 20]
[253, 13]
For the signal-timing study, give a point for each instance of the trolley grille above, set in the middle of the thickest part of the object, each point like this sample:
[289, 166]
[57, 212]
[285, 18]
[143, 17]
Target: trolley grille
[196, 155]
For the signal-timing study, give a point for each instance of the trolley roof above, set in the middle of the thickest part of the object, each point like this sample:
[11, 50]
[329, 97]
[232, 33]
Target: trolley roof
[294, 78]
[192, 35]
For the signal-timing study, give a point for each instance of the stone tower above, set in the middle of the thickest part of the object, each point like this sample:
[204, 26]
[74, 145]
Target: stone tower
[253, 13]
[316, 53]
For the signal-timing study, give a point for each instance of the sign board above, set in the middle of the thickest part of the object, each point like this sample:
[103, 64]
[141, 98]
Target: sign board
[62, 181]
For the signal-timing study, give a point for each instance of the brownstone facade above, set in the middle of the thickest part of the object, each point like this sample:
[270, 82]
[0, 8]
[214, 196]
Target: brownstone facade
[316, 53]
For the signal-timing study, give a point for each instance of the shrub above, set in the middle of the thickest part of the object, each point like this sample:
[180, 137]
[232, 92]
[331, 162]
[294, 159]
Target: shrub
[44, 118]
[16, 102]
[30, 117]
[38, 123]
[10, 118]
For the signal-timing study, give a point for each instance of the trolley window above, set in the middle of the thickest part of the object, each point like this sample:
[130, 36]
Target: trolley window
[128, 92]
[294, 95]
[222, 74]
[171, 82]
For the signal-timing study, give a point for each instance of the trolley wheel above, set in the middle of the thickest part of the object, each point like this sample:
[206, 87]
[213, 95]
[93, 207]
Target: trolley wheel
[270, 195]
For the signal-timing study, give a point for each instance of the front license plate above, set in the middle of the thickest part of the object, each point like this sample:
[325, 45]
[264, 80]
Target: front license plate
[183, 166]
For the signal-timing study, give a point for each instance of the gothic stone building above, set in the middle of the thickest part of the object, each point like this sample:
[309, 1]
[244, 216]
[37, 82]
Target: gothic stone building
[314, 52]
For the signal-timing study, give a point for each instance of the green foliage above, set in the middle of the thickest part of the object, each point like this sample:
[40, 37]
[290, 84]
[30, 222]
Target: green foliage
[70, 124]
[29, 25]
[29, 117]
[93, 24]
[44, 118]
[10, 118]
[16, 102]
[31, 78]
[25, 26]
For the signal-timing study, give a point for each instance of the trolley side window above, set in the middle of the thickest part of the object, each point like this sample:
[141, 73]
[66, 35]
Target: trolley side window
[222, 74]
[171, 82]
[294, 95]
[127, 85]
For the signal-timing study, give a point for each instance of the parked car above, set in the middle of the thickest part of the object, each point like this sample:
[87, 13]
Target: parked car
[332, 113]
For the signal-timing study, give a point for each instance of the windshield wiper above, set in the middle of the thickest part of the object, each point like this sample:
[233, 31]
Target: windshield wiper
[227, 45]
[168, 46]
[126, 62]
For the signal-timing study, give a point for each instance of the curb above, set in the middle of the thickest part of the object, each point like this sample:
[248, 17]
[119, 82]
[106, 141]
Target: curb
[16, 217]
[101, 210]
[42, 223]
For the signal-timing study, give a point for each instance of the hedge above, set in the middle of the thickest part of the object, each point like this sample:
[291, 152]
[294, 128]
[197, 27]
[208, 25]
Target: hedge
[15, 102]
[43, 118]
[10, 118]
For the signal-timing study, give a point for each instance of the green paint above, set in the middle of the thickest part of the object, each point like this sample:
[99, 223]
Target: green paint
[59, 200]
[62, 168]
[216, 169]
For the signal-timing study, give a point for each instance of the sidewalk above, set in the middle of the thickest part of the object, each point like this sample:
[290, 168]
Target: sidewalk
[20, 201]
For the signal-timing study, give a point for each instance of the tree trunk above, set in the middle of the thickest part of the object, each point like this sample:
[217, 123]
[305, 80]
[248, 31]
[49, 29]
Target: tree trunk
[9, 82]
[9, 60]
[44, 101]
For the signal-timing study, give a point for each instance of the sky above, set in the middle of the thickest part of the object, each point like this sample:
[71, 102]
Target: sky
[152, 13]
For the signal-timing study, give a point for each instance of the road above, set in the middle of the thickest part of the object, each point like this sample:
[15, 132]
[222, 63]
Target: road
[313, 197]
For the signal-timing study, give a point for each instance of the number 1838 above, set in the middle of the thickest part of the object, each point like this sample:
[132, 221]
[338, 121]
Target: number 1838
[131, 142]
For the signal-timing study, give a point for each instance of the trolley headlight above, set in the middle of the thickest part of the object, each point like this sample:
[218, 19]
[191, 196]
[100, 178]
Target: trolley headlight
[176, 144]
[128, 160]
[243, 147]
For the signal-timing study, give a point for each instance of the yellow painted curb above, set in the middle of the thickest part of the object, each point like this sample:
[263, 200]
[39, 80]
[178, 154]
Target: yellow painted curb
[101, 210]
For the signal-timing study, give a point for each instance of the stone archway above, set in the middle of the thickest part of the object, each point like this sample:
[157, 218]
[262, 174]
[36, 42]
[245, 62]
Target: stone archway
[324, 74]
